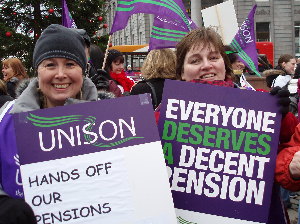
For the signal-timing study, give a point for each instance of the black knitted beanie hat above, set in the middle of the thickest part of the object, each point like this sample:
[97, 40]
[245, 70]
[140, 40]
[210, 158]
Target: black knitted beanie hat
[83, 33]
[58, 41]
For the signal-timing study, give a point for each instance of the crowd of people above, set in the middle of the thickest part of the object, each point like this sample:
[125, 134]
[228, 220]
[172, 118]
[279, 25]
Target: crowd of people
[69, 70]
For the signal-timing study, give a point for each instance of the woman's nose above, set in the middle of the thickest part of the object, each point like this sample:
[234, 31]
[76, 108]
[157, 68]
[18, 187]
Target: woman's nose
[206, 64]
[60, 73]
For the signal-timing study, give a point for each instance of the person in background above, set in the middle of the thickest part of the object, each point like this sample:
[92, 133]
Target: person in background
[297, 69]
[287, 171]
[286, 63]
[201, 58]
[101, 78]
[96, 57]
[283, 76]
[60, 63]
[115, 67]
[237, 65]
[158, 66]
[129, 71]
[271, 75]
[263, 63]
[292, 86]
[4, 97]
[87, 40]
[235, 61]
[13, 71]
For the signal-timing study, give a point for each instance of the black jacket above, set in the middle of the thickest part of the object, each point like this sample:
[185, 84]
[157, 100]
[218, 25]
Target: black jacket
[11, 86]
[4, 99]
[142, 87]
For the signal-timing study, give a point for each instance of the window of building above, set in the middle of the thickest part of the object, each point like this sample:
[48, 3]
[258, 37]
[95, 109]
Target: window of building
[127, 40]
[140, 38]
[209, 3]
[262, 31]
[297, 38]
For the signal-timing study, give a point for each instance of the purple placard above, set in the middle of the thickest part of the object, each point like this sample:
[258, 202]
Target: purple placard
[205, 151]
[84, 128]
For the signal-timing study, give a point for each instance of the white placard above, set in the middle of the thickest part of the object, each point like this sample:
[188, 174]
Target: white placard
[124, 187]
[223, 18]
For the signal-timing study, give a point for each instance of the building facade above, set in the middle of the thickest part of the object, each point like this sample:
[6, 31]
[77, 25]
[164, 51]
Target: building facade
[277, 21]
[137, 31]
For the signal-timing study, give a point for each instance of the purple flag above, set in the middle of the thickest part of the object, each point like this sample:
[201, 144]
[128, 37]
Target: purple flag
[167, 32]
[67, 20]
[244, 43]
[174, 9]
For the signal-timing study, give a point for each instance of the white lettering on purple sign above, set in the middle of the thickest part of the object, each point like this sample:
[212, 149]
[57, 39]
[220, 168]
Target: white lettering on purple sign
[74, 135]
[220, 115]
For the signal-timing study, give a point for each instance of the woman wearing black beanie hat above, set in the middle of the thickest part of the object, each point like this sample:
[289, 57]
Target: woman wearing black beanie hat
[115, 67]
[59, 60]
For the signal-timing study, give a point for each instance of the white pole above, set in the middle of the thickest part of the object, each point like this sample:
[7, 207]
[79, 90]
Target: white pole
[106, 52]
[196, 12]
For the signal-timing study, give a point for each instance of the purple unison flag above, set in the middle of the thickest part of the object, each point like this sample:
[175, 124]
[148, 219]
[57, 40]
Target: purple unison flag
[67, 20]
[167, 32]
[244, 42]
[173, 9]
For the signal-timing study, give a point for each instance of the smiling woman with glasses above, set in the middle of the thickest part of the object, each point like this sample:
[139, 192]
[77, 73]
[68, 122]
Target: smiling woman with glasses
[59, 61]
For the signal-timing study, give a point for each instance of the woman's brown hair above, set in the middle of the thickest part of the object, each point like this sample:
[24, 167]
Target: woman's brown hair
[17, 67]
[204, 37]
[284, 58]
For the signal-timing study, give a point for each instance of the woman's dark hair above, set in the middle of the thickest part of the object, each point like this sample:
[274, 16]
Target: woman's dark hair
[113, 55]
[96, 62]
[297, 72]
[232, 56]
[204, 37]
[284, 58]
[96, 56]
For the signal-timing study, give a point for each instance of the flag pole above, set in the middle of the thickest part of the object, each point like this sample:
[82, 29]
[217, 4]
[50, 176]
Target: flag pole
[106, 52]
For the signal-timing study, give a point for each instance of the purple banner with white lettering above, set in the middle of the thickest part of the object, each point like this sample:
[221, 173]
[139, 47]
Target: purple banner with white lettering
[80, 129]
[220, 146]
[244, 42]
